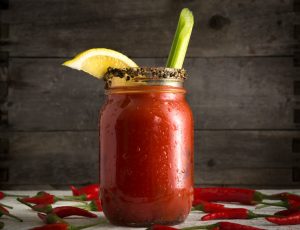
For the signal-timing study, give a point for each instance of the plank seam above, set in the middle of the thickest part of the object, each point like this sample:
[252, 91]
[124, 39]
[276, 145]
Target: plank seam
[296, 141]
[152, 57]
[196, 130]
[4, 87]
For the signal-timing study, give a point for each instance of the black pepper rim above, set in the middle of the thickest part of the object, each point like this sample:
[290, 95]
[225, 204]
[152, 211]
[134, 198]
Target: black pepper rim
[146, 72]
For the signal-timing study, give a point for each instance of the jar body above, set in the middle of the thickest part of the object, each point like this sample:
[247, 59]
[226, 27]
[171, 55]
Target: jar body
[146, 156]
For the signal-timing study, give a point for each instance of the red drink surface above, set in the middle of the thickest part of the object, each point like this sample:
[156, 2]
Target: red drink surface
[146, 156]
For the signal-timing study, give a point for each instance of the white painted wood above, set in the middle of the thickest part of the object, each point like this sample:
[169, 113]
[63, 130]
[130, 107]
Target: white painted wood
[31, 220]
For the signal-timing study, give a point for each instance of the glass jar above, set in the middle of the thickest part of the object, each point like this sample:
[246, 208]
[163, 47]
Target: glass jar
[146, 147]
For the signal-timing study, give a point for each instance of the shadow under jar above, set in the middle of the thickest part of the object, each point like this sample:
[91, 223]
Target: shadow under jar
[146, 147]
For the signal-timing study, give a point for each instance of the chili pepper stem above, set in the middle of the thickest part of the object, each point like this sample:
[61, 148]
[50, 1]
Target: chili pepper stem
[252, 215]
[259, 196]
[211, 226]
[6, 206]
[73, 198]
[264, 196]
[12, 216]
[263, 215]
[81, 198]
[265, 204]
[23, 202]
[14, 195]
[277, 196]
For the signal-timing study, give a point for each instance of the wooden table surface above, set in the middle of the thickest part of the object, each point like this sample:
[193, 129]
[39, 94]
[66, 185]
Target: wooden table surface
[30, 218]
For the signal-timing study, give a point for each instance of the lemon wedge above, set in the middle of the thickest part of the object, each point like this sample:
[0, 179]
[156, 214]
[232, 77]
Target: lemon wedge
[96, 61]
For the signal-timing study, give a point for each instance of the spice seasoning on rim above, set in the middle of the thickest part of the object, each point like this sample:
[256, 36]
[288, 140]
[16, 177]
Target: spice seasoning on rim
[146, 147]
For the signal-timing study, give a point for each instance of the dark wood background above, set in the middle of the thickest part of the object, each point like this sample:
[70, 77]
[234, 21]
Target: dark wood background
[244, 86]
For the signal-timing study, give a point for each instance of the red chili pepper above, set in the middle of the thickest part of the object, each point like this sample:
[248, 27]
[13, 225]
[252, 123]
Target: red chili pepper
[90, 192]
[292, 204]
[63, 211]
[5, 212]
[236, 213]
[283, 196]
[95, 205]
[285, 212]
[286, 220]
[292, 197]
[40, 198]
[234, 226]
[45, 208]
[241, 195]
[66, 211]
[207, 207]
[74, 190]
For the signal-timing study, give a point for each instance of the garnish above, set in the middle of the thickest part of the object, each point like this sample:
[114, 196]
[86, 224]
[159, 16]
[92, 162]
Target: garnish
[181, 39]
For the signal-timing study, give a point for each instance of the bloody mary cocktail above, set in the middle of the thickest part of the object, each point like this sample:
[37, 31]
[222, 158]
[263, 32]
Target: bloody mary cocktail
[146, 134]
[146, 147]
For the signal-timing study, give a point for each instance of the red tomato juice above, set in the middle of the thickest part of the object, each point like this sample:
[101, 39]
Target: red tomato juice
[146, 155]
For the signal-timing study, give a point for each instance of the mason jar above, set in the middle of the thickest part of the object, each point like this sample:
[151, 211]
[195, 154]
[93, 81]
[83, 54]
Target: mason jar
[146, 147]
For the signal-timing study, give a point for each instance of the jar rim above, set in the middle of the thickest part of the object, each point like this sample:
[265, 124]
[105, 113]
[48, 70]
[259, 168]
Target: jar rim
[134, 76]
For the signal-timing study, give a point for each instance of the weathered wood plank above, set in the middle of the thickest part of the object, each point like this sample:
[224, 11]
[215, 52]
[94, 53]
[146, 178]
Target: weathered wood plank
[242, 94]
[255, 177]
[55, 157]
[221, 158]
[245, 149]
[244, 157]
[53, 95]
[60, 28]
[224, 93]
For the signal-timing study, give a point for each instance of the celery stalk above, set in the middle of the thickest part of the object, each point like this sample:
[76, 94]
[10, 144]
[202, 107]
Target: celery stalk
[181, 39]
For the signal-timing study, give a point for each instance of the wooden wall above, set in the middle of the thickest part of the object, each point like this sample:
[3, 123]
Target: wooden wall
[244, 86]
